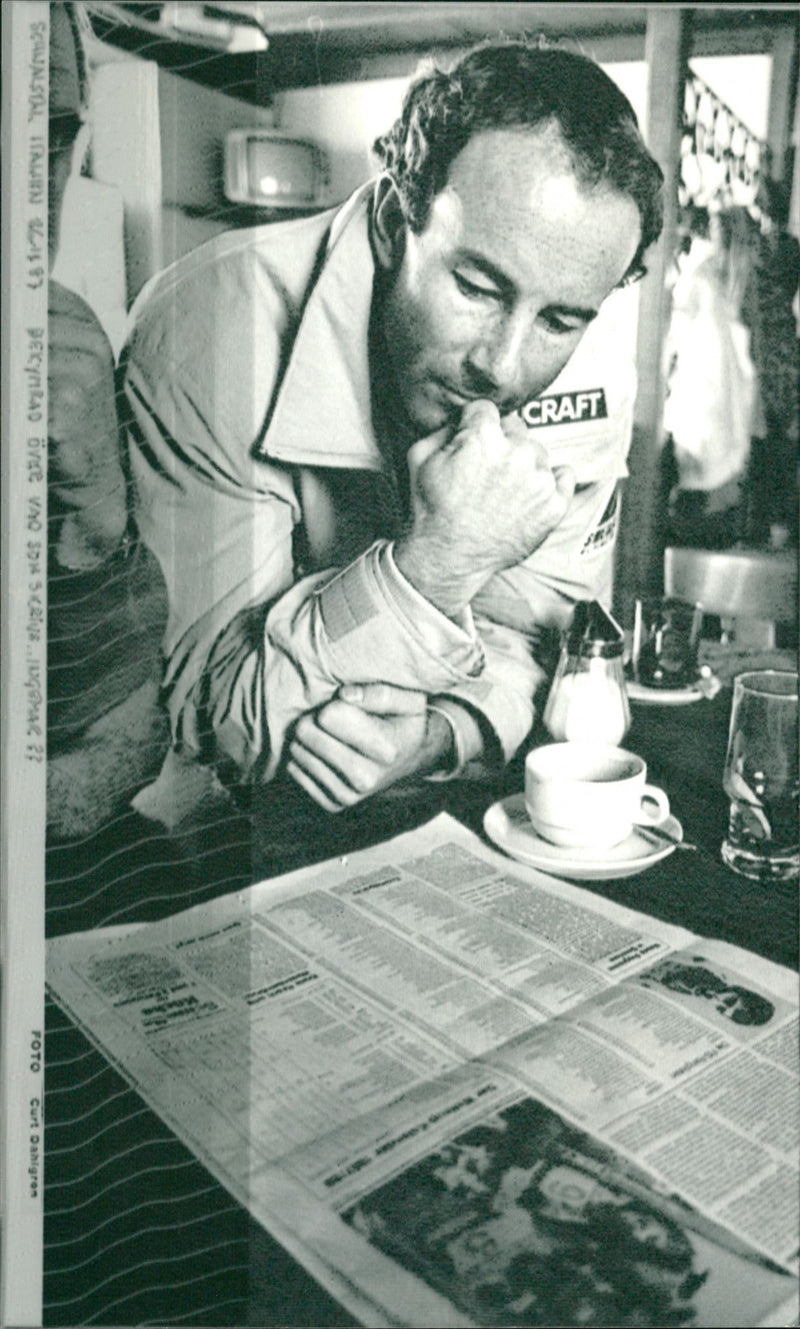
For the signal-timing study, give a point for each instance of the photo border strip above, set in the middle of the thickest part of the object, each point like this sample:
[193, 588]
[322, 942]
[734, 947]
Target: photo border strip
[24, 654]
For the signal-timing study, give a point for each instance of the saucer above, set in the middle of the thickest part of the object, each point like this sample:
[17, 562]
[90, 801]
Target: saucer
[664, 696]
[705, 685]
[508, 825]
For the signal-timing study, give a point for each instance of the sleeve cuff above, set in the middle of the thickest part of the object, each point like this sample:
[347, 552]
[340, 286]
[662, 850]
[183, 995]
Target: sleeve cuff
[466, 734]
[377, 624]
[411, 604]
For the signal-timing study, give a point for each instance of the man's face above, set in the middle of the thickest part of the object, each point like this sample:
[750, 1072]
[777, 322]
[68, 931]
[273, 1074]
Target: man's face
[492, 298]
[568, 1192]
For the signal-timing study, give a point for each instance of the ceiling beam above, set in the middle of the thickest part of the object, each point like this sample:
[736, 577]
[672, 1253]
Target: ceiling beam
[322, 43]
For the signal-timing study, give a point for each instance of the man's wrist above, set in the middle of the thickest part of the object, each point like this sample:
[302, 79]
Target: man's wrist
[472, 741]
[440, 742]
[424, 565]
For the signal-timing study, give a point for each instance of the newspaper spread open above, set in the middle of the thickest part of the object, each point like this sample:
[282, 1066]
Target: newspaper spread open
[463, 1092]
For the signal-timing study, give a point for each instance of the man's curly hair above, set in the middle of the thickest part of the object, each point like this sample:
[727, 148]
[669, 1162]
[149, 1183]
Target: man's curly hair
[517, 84]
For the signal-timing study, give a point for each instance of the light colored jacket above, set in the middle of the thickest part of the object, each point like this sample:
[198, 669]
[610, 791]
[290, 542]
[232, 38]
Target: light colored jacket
[264, 494]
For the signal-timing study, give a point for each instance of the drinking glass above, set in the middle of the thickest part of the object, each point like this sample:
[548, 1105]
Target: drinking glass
[666, 636]
[761, 777]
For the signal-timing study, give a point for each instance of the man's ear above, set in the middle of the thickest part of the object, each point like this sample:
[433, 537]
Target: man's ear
[388, 224]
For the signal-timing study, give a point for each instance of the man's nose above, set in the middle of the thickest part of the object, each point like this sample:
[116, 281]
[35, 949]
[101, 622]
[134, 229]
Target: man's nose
[499, 364]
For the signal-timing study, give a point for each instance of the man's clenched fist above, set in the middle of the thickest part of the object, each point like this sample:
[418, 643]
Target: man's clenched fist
[482, 499]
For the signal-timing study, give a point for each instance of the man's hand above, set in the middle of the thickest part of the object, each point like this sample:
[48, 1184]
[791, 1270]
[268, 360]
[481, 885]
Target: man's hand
[482, 500]
[85, 475]
[368, 737]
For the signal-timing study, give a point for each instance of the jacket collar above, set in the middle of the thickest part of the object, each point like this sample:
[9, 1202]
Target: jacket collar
[323, 414]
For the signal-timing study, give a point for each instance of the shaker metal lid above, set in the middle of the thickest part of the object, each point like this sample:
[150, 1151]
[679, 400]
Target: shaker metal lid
[594, 632]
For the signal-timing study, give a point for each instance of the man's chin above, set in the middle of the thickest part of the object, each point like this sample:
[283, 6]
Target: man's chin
[429, 412]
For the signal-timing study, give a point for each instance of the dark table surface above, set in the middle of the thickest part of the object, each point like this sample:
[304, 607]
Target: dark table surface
[136, 1230]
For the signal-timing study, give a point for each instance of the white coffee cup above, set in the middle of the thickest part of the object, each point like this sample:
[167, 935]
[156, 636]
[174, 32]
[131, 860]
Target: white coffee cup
[588, 795]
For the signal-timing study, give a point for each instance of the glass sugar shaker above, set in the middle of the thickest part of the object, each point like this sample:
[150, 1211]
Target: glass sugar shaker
[587, 701]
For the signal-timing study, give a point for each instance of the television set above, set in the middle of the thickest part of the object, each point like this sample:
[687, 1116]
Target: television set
[271, 170]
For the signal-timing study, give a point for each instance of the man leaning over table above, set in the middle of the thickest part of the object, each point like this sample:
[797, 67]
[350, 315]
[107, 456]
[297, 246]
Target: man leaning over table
[374, 453]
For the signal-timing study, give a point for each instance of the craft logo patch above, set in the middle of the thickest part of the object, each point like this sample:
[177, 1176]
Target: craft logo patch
[605, 530]
[566, 408]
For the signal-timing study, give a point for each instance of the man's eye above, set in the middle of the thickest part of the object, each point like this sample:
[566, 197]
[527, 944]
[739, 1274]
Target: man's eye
[559, 325]
[471, 288]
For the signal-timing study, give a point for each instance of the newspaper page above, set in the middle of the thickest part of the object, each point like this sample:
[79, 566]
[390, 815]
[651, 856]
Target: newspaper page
[116, 118]
[427, 1055]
